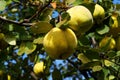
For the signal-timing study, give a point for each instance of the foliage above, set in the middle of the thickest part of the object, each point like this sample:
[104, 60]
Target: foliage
[23, 25]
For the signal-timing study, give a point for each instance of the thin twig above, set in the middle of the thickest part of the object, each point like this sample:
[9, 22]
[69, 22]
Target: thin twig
[15, 22]
[72, 63]
[113, 62]
[39, 10]
[94, 43]
[33, 75]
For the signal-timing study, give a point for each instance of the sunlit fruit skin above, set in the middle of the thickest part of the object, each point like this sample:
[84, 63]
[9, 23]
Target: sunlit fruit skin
[39, 68]
[81, 19]
[99, 13]
[108, 40]
[60, 44]
[114, 17]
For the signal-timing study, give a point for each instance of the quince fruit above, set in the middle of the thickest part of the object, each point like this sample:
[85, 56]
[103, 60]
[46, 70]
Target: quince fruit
[39, 68]
[108, 43]
[99, 13]
[59, 43]
[81, 19]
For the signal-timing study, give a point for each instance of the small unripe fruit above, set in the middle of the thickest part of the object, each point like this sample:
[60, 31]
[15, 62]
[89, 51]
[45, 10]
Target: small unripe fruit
[108, 42]
[39, 68]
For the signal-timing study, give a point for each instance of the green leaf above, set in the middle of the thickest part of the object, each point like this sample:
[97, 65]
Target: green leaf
[90, 6]
[38, 40]
[70, 1]
[26, 48]
[21, 49]
[2, 5]
[106, 73]
[41, 27]
[96, 68]
[103, 30]
[118, 53]
[10, 39]
[77, 2]
[84, 40]
[56, 75]
[108, 63]
[65, 18]
[30, 47]
[46, 14]
[111, 54]
[91, 52]
[89, 65]
[83, 58]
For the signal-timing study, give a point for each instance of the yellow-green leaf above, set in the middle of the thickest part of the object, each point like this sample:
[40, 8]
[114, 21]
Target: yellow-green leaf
[10, 39]
[21, 49]
[41, 27]
[30, 47]
[2, 5]
[26, 48]
[1, 36]
[38, 40]
[111, 77]
[96, 68]
[83, 58]
[108, 63]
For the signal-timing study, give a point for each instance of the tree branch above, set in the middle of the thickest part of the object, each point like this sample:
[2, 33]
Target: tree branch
[15, 22]
[39, 10]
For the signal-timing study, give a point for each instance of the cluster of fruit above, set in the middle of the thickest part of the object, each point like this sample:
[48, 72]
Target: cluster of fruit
[61, 43]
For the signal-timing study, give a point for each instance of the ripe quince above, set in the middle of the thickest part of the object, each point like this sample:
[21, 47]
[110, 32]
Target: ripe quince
[81, 19]
[59, 43]
[99, 13]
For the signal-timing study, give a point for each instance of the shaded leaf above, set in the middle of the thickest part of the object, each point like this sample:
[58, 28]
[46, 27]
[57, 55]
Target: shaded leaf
[70, 1]
[65, 18]
[10, 39]
[90, 6]
[56, 75]
[2, 5]
[46, 14]
[103, 30]
[41, 27]
[77, 2]
[89, 65]
[118, 53]
[38, 40]
[26, 48]
[96, 68]
[84, 40]
[1, 36]
[83, 58]
[30, 47]
[21, 49]
[91, 52]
